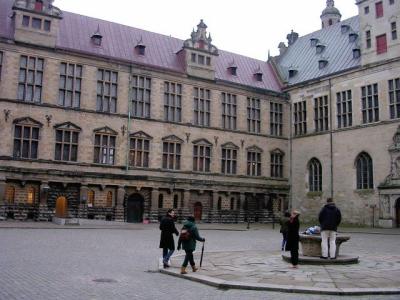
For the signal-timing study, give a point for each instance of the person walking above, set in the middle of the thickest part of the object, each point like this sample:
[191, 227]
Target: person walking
[329, 219]
[284, 228]
[293, 238]
[167, 243]
[188, 243]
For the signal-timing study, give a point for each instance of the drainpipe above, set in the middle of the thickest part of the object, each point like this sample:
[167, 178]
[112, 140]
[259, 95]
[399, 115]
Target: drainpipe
[290, 204]
[129, 119]
[331, 133]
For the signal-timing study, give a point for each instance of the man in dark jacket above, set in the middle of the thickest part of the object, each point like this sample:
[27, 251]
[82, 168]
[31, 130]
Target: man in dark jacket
[167, 243]
[329, 218]
[189, 245]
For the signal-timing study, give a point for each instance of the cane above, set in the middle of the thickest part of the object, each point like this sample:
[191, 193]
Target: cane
[202, 252]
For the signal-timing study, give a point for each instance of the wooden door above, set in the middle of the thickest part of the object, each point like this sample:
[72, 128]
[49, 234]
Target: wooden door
[398, 212]
[135, 209]
[198, 211]
[61, 207]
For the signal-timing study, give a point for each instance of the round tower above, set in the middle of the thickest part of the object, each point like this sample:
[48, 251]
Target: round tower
[330, 15]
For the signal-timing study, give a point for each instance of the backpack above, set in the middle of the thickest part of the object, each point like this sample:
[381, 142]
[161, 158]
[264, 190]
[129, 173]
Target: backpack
[185, 234]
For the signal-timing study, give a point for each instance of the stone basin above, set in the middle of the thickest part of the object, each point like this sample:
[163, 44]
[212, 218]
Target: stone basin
[311, 244]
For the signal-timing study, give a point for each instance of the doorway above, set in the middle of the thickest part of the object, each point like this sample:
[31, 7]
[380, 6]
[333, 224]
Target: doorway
[61, 207]
[398, 212]
[198, 211]
[135, 208]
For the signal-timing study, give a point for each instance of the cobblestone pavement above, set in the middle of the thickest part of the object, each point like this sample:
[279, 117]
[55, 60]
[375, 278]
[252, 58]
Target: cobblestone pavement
[40, 261]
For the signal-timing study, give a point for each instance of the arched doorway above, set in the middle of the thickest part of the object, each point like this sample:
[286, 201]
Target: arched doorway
[198, 211]
[61, 207]
[135, 208]
[398, 212]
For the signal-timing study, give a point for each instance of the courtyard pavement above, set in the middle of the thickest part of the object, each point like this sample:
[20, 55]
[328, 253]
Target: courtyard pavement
[120, 261]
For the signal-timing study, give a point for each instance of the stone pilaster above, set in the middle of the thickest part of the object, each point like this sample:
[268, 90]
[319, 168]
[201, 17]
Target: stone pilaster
[44, 212]
[214, 216]
[119, 205]
[2, 198]
[186, 210]
[83, 197]
[242, 199]
[154, 205]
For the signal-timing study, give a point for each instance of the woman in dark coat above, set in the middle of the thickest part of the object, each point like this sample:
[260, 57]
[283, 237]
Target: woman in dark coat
[293, 238]
[167, 243]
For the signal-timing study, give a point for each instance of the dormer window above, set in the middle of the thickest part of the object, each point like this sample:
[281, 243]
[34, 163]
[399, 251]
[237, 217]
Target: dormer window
[320, 48]
[25, 21]
[233, 70]
[39, 5]
[141, 49]
[322, 63]
[345, 28]
[353, 37]
[356, 53]
[313, 42]
[258, 76]
[36, 23]
[292, 73]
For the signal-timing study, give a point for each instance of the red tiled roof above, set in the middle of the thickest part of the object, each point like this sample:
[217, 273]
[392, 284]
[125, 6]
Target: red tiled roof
[119, 42]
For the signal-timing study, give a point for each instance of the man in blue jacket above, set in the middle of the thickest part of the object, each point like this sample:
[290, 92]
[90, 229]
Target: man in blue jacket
[329, 218]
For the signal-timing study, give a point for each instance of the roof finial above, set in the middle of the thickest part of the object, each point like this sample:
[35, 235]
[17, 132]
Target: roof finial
[330, 3]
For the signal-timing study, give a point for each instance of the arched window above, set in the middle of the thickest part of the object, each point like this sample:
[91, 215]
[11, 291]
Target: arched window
[10, 195]
[315, 175]
[364, 167]
[176, 198]
[31, 195]
[219, 203]
[109, 202]
[160, 201]
[90, 197]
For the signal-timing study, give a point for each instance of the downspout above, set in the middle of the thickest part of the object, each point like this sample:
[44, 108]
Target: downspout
[128, 130]
[331, 133]
[290, 156]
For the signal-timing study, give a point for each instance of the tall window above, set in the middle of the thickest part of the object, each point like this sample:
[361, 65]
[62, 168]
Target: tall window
[229, 159]
[26, 141]
[315, 175]
[176, 202]
[344, 109]
[254, 162]
[364, 172]
[141, 90]
[30, 79]
[172, 154]
[379, 9]
[202, 157]
[300, 118]
[321, 114]
[104, 148]
[229, 112]
[139, 152]
[381, 44]
[10, 195]
[90, 200]
[370, 103]
[1, 62]
[172, 102]
[160, 201]
[109, 200]
[253, 115]
[276, 118]
[66, 145]
[107, 85]
[393, 28]
[31, 195]
[202, 102]
[368, 39]
[70, 85]
[394, 98]
[277, 164]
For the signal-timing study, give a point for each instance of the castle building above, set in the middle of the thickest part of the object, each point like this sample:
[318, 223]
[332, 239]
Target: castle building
[105, 121]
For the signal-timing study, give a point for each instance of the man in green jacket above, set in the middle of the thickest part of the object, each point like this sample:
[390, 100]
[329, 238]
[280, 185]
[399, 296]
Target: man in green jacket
[189, 244]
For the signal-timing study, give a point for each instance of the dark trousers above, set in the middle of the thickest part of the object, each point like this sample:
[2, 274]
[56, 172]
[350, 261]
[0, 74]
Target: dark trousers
[284, 240]
[188, 258]
[294, 256]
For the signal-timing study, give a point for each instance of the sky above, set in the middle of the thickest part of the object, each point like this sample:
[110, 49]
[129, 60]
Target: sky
[246, 27]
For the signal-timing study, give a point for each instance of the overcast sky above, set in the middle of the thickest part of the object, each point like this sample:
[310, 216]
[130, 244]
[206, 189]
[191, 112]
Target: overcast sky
[247, 27]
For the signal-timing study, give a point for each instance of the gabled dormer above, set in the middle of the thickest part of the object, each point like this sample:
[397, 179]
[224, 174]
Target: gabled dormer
[200, 53]
[36, 22]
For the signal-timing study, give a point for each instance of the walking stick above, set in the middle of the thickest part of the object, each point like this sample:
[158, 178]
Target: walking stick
[202, 252]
